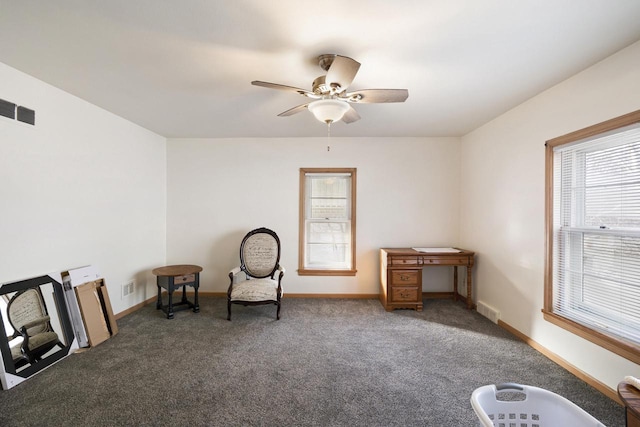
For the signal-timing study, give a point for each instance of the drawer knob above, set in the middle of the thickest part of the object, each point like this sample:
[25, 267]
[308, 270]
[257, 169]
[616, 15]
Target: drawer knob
[404, 278]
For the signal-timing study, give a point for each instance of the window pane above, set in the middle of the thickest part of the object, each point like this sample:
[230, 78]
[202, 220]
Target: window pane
[328, 197]
[601, 283]
[329, 186]
[612, 181]
[329, 232]
[323, 255]
[328, 244]
[329, 208]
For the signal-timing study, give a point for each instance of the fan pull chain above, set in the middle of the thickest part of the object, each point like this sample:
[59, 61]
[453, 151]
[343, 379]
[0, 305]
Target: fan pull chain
[328, 136]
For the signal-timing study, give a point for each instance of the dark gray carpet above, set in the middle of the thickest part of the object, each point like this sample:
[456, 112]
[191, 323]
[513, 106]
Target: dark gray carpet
[327, 362]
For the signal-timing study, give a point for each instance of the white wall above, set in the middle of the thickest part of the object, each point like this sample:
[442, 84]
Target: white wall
[502, 201]
[82, 186]
[219, 189]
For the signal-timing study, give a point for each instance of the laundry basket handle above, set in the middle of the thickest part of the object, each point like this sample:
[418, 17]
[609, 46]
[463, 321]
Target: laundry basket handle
[509, 386]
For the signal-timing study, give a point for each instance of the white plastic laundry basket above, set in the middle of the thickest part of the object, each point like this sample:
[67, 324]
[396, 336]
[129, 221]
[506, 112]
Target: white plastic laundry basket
[527, 407]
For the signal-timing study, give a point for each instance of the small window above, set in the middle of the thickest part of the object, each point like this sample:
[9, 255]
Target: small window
[593, 234]
[327, 222]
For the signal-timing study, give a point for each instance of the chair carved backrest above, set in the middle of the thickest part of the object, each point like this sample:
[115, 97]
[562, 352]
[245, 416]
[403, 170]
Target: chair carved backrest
[27, 307]
[260, 253]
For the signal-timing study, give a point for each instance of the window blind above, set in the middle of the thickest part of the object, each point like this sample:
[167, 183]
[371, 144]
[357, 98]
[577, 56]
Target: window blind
[596, 232]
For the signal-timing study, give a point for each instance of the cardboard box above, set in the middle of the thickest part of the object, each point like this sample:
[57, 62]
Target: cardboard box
[81, 275]
[97, 314]
[89, 306]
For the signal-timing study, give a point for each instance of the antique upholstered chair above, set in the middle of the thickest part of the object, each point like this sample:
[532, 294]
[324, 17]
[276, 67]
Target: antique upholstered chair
[260, 262]
[28, 316]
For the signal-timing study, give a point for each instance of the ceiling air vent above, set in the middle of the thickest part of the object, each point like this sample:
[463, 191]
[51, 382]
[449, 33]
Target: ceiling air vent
[7, 109]
[26, 115]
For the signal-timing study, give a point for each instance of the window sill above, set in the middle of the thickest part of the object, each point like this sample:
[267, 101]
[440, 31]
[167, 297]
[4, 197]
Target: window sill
[303, 272]
[624, 349]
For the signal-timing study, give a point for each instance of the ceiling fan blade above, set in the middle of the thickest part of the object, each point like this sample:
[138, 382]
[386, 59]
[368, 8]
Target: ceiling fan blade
[294, 110]
[341, 73]
[268, 85]
[372, 96]
[351, 115]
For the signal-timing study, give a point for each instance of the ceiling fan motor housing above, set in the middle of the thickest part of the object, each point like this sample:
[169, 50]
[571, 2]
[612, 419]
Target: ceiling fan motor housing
[320, 87]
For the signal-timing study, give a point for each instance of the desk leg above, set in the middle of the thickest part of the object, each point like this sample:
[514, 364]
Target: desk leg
[159, 300]
[455, 283]
[469, 291]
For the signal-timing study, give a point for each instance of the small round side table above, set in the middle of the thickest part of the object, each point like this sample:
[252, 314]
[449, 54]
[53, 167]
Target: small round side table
[171, 277]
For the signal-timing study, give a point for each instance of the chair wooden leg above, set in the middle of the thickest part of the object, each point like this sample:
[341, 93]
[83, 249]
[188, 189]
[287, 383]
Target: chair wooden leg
[278, 312]
[228, 310]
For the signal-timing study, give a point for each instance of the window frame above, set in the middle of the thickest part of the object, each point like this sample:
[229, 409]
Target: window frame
[626, 349]
[302, 250]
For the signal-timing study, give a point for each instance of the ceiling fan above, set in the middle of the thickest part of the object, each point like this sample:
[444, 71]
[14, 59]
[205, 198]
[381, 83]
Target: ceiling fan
[330, 100]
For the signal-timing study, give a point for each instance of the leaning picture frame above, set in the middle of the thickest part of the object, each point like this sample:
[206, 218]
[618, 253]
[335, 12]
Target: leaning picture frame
[32, 312]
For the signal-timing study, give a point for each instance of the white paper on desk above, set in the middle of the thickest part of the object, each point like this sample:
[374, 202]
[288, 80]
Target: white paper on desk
[437, 250]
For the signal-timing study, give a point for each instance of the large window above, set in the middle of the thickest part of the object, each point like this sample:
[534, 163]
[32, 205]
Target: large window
[592, 281]
[327, 222]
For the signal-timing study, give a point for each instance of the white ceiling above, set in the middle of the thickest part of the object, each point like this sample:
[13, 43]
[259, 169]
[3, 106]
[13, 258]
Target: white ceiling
[183, 68]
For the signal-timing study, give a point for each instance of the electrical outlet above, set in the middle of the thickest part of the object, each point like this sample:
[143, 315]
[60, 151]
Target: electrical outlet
[127, 289]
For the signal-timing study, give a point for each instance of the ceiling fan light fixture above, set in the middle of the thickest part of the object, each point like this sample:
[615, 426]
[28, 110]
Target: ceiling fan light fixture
[328, 110]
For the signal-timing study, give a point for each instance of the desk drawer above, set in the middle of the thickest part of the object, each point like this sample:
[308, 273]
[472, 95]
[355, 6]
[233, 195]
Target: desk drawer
[404, 277]
[404, 260]
[404, 294]
[445, 260]
[182, 280]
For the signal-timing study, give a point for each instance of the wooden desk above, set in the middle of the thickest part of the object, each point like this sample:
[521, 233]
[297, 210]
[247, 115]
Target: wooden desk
[401, 275]
[171, 278]
[630, 396]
